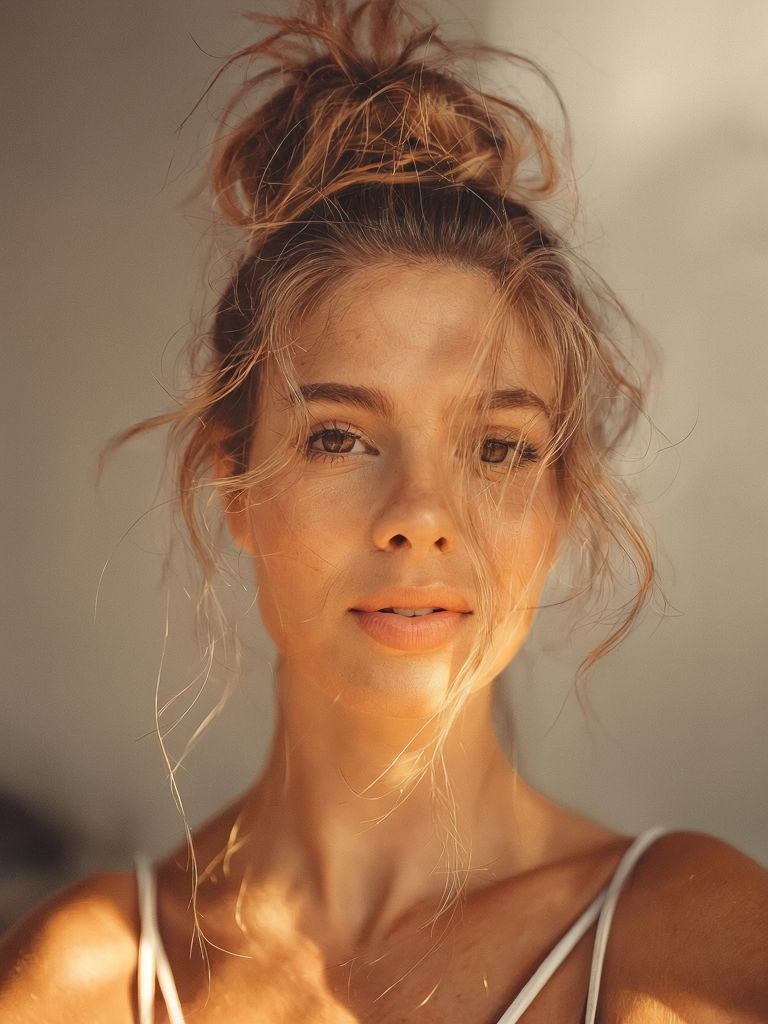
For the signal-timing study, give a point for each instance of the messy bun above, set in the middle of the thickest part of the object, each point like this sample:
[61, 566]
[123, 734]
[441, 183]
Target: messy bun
[383, 105]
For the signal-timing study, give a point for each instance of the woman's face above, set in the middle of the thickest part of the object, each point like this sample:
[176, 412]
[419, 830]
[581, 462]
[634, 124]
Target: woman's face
[366, 526]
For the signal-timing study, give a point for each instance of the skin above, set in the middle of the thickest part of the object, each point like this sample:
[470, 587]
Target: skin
[324, 910]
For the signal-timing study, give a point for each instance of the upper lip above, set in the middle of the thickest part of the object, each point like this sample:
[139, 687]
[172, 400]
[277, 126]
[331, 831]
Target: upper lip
[435, 595]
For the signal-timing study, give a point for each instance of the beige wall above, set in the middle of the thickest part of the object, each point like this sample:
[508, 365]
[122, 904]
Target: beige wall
[101, 274]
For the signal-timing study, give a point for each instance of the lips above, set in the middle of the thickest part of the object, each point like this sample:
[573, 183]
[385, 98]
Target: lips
[413, 618]
[411, 632]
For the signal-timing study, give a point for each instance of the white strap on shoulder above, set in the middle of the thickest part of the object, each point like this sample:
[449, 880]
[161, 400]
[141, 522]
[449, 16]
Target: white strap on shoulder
[601, 910]
[552, 961]
[153, 961]
[622, 873]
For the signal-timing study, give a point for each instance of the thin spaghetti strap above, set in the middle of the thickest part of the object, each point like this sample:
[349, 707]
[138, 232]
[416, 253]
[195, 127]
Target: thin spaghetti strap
[152, 961]
[146, 963]
[552, 961]
[622, 873]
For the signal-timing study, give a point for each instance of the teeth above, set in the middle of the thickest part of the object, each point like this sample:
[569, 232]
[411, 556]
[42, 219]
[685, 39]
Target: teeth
[410, 612]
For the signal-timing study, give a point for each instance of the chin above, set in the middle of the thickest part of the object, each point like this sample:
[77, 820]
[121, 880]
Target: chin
[412, 686]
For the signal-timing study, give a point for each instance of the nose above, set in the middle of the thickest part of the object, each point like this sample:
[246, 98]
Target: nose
[414, 513]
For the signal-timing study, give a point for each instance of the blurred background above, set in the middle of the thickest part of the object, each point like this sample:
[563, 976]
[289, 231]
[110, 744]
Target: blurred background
[104, 269]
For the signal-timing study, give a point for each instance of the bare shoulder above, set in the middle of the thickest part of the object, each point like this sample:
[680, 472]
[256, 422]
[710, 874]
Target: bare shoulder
[690, 936]
[74, 957]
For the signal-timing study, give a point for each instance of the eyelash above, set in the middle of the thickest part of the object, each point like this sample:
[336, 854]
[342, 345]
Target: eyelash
[331, 428]
[525, 452]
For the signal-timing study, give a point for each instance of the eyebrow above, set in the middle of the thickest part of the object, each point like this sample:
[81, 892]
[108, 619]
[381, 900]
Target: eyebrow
[350, 394]
[515, 398]
[377, 402]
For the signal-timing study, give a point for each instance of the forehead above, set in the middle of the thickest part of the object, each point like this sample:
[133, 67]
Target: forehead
[406, 326]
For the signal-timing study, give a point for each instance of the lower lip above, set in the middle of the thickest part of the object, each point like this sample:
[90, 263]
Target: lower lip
[410, 632]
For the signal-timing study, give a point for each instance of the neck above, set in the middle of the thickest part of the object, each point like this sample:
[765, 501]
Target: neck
[344, 817]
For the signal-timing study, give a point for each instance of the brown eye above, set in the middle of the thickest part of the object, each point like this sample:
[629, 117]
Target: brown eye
[494, 451]
[337, 442]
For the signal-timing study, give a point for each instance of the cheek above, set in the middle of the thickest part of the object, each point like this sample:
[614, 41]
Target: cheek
[300, 542]
[524, 548]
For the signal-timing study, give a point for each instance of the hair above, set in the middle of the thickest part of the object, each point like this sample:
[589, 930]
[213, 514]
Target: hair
[361, 145]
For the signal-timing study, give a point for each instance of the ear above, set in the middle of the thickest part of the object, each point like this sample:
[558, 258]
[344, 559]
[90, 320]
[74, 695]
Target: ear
[235, 506]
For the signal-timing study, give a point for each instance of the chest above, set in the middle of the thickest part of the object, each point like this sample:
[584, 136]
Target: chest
[467, 978]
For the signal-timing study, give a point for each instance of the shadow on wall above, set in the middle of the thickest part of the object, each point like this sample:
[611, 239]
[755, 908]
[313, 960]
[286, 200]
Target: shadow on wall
[37, 856]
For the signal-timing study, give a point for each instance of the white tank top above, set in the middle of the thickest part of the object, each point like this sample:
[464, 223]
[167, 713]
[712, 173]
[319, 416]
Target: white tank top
[153, 963]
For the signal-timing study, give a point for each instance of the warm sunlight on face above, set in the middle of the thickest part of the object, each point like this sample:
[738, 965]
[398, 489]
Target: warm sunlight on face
[339, 547]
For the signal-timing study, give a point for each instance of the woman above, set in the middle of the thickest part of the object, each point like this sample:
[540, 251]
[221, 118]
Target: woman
[406, 417]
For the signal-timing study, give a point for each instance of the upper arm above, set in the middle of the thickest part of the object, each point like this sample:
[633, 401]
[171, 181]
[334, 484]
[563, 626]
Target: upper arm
[73, 959]
[690, 936]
